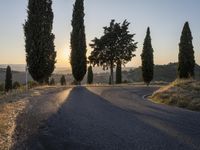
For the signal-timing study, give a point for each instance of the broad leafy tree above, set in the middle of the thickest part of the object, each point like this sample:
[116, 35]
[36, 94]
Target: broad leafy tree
[90, 75]
[186, 65]
[78, 42]
[147, 59]
[39, 40]
[8, 80]
[117, 44]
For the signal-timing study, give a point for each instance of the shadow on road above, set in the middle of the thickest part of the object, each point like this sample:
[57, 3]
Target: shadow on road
[87, 121]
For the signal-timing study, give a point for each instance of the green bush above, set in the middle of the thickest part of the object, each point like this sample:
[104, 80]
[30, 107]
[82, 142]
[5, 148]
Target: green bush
[16, 85]
[52, 81]
[2, 87]
[32, 84]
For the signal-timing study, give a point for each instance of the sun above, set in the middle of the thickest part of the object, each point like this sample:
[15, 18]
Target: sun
[66, 53]
[63, 55]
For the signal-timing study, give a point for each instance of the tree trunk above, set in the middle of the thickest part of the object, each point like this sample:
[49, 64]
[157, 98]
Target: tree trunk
[111, 74]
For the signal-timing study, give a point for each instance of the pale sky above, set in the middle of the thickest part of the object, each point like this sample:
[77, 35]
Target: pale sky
[165, 18]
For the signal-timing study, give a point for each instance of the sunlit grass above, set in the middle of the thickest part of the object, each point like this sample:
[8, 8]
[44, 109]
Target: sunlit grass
[181, 93]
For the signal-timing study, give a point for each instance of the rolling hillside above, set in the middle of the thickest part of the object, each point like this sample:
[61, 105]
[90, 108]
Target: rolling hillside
[165, 73]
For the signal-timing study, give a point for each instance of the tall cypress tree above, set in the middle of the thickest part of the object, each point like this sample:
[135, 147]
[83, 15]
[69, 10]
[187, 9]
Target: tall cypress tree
[119, 73]
[147, 59]
[8, 80]
[78, 42]
[90, 75]
[186, 63]
[39, 40]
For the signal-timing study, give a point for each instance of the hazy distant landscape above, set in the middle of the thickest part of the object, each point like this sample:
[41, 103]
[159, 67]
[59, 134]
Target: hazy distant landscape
[163, 73]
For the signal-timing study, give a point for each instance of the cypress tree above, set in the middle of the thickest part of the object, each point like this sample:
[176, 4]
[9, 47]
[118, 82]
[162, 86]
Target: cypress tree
[147, 59]
[119, 73]
[78, 42]
[8, 80]
[63, 80]
[39, 40]
[90, 75]
[186, 63]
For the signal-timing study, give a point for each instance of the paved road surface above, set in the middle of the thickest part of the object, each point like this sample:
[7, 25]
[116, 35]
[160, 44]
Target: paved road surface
[104, 118]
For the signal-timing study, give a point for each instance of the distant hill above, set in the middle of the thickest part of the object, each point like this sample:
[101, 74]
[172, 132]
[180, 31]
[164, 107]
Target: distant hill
[165, 73]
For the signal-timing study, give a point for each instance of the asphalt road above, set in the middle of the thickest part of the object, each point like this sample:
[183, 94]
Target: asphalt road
[105, 118]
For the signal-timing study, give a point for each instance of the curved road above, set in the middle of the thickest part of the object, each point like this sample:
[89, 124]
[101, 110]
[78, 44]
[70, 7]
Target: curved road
[105, 118]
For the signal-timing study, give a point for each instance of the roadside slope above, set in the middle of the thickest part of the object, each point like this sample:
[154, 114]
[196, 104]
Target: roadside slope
[181, 93]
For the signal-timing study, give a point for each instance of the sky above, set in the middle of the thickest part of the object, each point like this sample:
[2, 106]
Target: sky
[164, 17]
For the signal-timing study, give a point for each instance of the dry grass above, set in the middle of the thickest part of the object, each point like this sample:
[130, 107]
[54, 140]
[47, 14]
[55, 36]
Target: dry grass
[181, 93]
[11, 105]
[8, 113]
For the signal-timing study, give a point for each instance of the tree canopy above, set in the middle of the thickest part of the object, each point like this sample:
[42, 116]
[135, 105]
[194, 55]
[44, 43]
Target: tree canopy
[117, 44]
[186, 65]
[147, 59]
[78, 58]
[39, 40]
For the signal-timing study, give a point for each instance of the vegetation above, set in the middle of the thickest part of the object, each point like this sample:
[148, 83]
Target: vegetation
[32, 84]
[2, 87]
[8, 80]
[166, 73]
[181, 93]
[78, 42]
[117, 44]
[90, 75]
[119, 73]
[39, 40]
[147, 59]
[52, 81]
[186, 64]
[63, 80]
[16, 85]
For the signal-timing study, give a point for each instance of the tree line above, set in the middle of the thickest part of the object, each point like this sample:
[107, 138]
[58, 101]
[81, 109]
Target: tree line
[10, 85]
[115, 48]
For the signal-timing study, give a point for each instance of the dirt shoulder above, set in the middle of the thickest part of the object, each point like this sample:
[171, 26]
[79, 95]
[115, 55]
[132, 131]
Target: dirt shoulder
[16, 104]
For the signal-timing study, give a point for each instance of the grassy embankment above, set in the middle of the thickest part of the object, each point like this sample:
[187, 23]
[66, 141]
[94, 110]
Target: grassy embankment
[181, 93]
[14, 103]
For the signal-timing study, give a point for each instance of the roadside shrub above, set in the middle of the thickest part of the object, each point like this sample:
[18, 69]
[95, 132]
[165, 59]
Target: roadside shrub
[16, 85]
[2, 87]
[74, 82]
[126, 81]
[32, 84]
[52, 81]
